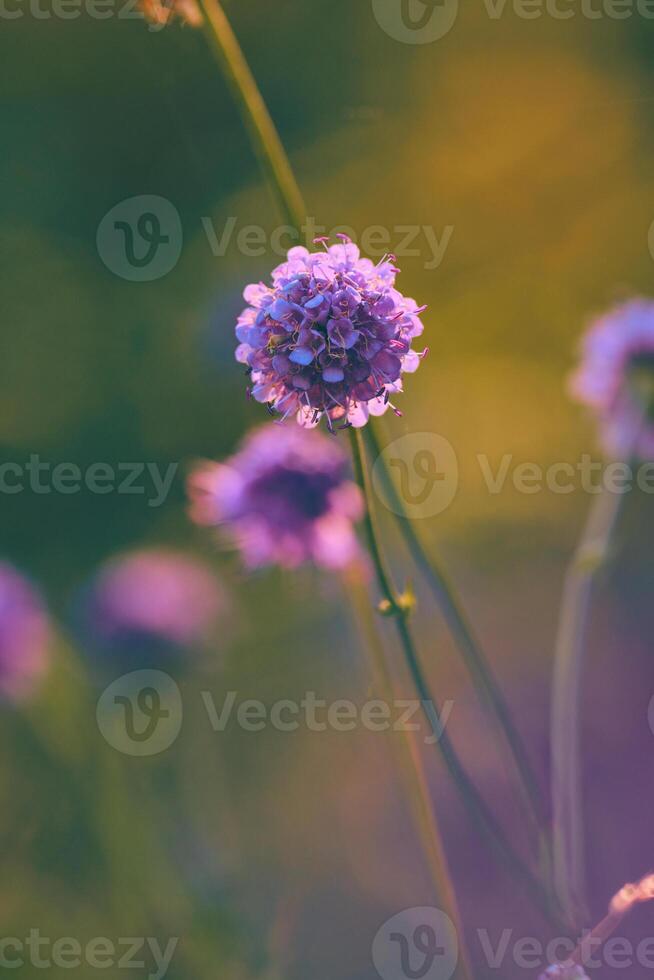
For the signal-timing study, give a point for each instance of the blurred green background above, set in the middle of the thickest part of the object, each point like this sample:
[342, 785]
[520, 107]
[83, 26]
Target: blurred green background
[274, 854]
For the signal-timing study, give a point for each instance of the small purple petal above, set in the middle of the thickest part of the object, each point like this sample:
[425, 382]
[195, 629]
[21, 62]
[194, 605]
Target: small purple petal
[333, 374]
[302, 355]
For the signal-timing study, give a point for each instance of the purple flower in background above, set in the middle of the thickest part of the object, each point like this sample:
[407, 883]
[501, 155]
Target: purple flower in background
[331, 336]
[616, 378]
[284, 497]
[24, 635]
[148, 603]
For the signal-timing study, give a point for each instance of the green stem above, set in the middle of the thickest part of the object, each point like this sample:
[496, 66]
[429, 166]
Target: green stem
[590, 556]
[409, 763]
[397, 608]
[262, 131]
[473, 655]
[277, 170]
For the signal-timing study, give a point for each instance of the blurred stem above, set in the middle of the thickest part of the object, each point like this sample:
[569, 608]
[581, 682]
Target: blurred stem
[590, 556]
[410, 765]
[254, 112]
[398, 608]
[473, 655]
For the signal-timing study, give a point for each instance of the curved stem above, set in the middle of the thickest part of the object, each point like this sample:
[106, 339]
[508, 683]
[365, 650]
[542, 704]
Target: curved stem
[591, 554]
[473, 655]
[277, 169]
[409, 761]
[394, 605]
[262, 131]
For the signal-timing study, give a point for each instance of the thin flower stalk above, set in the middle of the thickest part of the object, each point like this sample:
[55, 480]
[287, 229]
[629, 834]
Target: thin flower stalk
[409, 762]
[398, 607]
[591, 554]
[615, 381]
[474, 658]
[275, 164]
[277, 169]
[262, 131]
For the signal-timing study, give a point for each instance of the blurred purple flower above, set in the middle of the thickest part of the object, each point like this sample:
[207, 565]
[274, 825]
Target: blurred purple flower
[331, 336]
[616, 378]
[146, 603]
[284, 497]
[24, 635]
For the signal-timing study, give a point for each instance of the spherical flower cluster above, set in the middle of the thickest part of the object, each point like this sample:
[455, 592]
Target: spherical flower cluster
[24, 635]
[331, 336]
[284, 498]
[616, 378]
[148, 603]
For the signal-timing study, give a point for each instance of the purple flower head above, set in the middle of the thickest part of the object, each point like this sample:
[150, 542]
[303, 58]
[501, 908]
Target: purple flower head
[149, 603]
[24, 635]
[331, 336]
[284, 497]
[616, 378]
